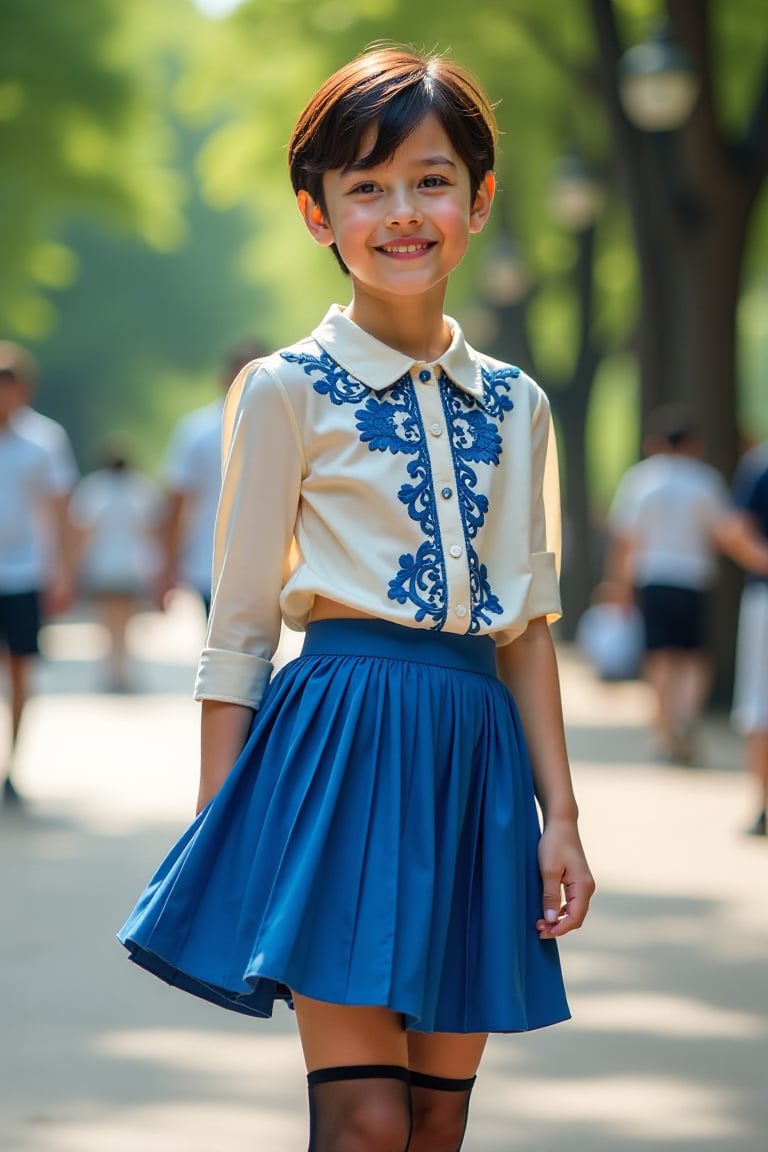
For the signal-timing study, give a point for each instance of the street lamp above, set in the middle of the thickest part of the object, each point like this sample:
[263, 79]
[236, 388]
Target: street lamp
[576, 195]
[576, 200]
[658, 84]
[505, 279]
[500, 314]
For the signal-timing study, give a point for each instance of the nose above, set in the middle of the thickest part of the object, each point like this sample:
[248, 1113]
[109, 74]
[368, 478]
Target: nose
[403, 209]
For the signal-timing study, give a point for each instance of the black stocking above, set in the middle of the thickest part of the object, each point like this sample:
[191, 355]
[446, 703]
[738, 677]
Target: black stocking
[440, 1107]
[359, 1108]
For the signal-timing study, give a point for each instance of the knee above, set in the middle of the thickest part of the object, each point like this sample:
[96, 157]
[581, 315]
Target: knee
[438, 1124]
[433, 1131]
[374, 1125]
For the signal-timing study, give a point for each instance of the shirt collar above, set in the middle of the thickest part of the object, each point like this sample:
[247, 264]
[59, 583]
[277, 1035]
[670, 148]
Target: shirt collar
[380, 366]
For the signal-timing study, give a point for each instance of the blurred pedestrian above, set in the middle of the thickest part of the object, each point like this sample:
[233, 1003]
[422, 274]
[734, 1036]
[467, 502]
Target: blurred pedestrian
[116, 514]
[28, 554]
[367, 844]
[192, 478]
[53, 437]
[750, 698]
[670, 517]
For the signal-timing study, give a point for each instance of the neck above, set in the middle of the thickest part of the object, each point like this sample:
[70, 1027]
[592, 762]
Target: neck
[415, 327]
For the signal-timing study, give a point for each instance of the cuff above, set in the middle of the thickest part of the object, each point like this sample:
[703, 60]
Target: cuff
[544, 593]
[234, 677]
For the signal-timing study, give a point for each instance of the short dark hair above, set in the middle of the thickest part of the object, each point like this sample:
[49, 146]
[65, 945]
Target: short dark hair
[675, 424]
[19, 363]
[393, 87]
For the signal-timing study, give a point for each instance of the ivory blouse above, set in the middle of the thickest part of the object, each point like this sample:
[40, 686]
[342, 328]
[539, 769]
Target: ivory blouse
[421, 493]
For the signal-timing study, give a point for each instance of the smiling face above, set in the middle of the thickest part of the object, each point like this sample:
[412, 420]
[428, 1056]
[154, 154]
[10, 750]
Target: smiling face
[403, 225]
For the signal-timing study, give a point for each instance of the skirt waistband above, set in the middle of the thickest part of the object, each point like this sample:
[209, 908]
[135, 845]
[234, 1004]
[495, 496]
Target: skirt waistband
[384, 639]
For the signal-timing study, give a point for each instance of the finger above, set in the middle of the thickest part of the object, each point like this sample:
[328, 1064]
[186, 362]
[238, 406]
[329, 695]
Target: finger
[577, 898]
[547, 929]
[552, 897]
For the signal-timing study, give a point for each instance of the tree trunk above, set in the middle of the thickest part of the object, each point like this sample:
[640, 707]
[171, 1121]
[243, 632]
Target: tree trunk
[690, 195]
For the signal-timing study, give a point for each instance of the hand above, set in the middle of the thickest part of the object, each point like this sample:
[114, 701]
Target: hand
[163, 587]
[58, 596]
[564, 871]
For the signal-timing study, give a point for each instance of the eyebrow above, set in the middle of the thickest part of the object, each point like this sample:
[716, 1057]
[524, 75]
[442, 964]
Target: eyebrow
[428, 161]
[423, 162]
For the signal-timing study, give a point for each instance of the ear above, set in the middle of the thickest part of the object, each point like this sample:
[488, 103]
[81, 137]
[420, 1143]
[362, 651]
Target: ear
[319, 229]
[481, 207]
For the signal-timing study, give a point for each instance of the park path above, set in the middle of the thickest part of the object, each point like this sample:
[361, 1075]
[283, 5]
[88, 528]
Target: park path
[668, 1048]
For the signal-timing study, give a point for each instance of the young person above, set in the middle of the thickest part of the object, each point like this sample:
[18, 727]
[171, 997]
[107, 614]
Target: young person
[116, 517]
[750, 694]
[31, 556]
[670, 518]
[374, 856]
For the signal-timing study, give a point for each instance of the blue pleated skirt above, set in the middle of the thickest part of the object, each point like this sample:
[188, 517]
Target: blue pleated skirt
[374, 844]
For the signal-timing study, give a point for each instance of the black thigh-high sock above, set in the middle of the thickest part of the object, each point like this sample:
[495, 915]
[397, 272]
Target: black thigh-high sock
[359, 1108]
[440, 1107]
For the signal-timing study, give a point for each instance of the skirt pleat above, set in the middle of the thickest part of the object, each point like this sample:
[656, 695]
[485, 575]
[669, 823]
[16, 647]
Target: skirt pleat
[374, 844]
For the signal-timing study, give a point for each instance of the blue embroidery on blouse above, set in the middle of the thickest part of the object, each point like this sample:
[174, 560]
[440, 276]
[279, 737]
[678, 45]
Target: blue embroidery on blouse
[391, 422]
[335, 382]
[475, 439]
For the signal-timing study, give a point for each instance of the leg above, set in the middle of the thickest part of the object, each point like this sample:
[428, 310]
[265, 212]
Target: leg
[18, 672]
[357, 1064]
[657, 673]
[756, 744]
[22, 624]
[443, 1068]
[18, 675]
[690, 683]
[115, 613]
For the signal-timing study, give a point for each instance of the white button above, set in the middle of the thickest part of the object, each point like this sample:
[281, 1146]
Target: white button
[436, 429]
[455, 550]
[460, 611]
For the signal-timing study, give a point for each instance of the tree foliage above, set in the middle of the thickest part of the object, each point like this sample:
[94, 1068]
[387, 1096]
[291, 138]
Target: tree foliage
[79, 130]
[91, 98]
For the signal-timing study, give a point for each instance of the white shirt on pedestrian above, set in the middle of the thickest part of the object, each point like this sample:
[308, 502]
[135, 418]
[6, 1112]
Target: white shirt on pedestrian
[193, 468]
[119, 512]
[53, 437]
[669, 504]
[27, 483]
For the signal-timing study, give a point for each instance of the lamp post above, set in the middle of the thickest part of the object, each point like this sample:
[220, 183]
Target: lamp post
[686, 338]
[576, 200]
[658, 84]
[506, 291]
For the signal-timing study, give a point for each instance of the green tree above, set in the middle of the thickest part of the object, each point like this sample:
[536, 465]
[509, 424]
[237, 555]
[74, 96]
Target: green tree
[78, 132]
[547, 66]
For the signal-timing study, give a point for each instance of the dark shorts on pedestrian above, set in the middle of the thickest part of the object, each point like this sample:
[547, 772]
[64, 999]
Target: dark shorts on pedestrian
[20, 622]
[674, 618]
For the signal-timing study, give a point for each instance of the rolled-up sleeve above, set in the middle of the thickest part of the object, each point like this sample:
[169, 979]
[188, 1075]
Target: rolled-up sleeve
[262, 473]
[544, 594]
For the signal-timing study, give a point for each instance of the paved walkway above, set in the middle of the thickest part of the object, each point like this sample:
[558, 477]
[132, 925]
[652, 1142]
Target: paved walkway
[668, 1049]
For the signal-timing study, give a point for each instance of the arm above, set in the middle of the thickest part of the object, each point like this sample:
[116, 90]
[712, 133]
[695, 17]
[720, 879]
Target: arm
[223, 731]
[60, 590]
[170, 541]
[737, 537]
[619, 562]
[528, 667]
[254, 531]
